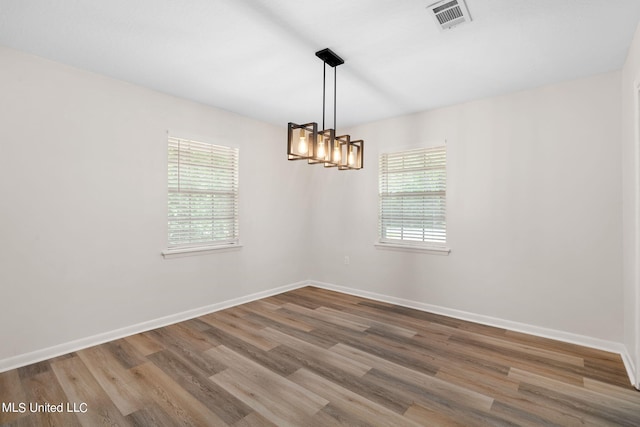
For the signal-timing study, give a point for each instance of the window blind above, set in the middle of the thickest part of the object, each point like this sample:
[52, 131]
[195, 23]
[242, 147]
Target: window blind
[413, 190]
[203, 194]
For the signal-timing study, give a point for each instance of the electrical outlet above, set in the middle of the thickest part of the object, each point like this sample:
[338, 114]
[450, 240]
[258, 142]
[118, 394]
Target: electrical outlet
[346, 260]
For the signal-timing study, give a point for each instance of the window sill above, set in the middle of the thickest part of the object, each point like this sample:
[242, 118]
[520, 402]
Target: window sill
[434, 250]
[199, 250]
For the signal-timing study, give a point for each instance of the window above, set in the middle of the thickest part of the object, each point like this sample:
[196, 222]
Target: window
[203, 194]
[413, 193]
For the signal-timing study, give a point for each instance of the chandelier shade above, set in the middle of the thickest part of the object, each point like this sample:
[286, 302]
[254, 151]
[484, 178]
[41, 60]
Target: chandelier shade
[339, 153]
[322, 146]
[325, 142]
[355, 155]
[301, 139]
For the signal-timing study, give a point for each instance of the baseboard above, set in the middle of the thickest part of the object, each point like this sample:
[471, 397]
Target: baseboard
[583, 340]
[68, 347]
[58, 350]
[630, 367]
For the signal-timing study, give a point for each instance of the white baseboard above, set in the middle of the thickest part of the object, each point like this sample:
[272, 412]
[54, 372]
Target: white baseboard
[583, 340]
[68, 347]
[58, 350]
[631, 368]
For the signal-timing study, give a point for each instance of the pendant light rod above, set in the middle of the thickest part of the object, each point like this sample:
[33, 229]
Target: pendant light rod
[324, 91]
[329, 57]
[335, 92]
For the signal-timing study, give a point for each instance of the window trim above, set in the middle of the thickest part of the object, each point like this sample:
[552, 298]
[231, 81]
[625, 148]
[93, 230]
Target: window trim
[431, 247]
[199, 250]
[213, 246]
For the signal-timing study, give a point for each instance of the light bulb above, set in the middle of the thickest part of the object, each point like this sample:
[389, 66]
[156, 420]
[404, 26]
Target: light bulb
[351, 157]
[321, 146]
[336, 154]
[302, 145]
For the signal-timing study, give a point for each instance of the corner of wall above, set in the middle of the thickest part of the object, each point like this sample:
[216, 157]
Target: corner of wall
[630, 162]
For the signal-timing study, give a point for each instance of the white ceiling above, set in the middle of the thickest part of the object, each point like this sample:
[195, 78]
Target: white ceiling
[256, 57]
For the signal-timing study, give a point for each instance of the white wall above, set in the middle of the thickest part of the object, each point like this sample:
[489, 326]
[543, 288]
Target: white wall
[534, 208]
[83, 215]
[631, 215]
[534, 211]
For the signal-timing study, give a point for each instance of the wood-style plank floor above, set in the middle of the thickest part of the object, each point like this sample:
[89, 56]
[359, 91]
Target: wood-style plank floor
[313, 357]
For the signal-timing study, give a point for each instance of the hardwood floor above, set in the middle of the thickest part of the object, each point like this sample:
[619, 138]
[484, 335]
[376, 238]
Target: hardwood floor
[313, 357]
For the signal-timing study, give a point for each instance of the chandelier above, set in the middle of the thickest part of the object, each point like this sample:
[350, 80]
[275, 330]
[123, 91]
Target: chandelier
[306, 142]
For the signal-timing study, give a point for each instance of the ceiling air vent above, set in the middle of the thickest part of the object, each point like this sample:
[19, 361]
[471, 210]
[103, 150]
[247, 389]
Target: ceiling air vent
[449, 13]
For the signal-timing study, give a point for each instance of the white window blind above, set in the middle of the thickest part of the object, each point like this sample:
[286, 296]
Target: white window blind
[413, 192]
[203, 194]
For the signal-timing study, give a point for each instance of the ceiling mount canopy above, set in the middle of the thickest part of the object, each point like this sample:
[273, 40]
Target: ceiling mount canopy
[323, 146]
[329, 57]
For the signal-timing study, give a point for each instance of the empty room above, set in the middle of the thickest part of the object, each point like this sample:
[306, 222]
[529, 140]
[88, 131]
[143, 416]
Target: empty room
[258, 213]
